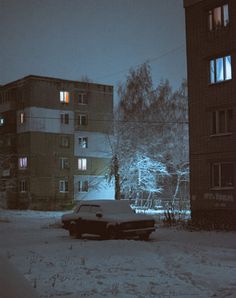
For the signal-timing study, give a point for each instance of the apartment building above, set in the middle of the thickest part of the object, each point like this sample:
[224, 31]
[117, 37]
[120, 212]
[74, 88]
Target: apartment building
[211, 60]
[54, 142]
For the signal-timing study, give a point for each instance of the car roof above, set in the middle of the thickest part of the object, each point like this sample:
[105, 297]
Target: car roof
[103, 202]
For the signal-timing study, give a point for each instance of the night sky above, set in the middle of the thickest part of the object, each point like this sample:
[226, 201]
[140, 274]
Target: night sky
[101, 39]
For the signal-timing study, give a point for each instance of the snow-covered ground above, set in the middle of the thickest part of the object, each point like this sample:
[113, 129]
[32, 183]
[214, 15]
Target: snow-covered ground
[174, 263]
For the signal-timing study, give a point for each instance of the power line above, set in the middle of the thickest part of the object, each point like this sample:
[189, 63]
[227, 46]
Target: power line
[148, 60]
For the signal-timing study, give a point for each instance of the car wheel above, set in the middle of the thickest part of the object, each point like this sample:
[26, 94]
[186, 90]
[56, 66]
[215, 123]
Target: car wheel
[74, 231]
[144, 237]
[112, 233]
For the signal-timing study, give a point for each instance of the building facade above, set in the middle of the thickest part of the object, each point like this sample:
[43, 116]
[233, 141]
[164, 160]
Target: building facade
[211, 60]
[54, 142]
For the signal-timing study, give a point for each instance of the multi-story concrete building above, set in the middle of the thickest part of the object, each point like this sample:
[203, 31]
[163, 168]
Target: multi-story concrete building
[54, 142]
[211, 59]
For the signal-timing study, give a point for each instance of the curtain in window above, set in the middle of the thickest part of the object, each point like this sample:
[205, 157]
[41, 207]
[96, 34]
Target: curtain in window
[228, 70]
[226, 14]
[219, 69]
[217, 16]
[212, 71]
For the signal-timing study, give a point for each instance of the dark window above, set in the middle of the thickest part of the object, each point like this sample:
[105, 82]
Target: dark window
[65, 142]
[222, 175]
[222, 121]
[65, 118]
[82, 120]
[82, 98]
[64, 163]
[22, 185]
[63, 185]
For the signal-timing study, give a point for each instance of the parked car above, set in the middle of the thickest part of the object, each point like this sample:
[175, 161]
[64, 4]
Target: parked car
[110, 219]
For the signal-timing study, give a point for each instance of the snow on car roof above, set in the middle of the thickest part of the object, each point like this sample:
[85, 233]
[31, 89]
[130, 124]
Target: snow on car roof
[109, 205]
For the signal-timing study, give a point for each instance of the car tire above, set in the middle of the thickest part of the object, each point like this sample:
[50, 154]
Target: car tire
[144, 237]
[74, 231]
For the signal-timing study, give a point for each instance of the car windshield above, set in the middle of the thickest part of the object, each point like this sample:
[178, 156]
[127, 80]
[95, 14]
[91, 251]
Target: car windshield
[115, 207]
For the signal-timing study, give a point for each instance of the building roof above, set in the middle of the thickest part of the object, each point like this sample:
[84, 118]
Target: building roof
[45, 78]
[191, 2]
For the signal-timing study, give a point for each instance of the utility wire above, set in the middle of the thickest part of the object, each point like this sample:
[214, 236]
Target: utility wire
[148, 60]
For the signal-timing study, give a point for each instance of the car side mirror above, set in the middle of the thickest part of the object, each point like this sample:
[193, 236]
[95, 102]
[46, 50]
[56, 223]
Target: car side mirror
[99, 214]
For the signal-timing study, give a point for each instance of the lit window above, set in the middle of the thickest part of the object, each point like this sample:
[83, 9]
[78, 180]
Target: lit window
[2, 121]
[82, 164]
[22, 185]
[64, 163]
[64, 97]
[23, 163]
[83, 186]
[222, 122]
[65, 141]
[64, 118]
[83, 142]
[22, 117]
[82, 120]
[82, 98]
[63, 185]
[220, 69]
[222, 175]
[218, 17]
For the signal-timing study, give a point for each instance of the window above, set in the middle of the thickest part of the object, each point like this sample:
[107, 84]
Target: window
[82, 164]
[64, 163]
[64, 97]
[64, 118]
[222, 175]
[23, 163]
[2, 121]
[218, 17]
[82, 119]
[82, 99]
[22, 117]
[63, 185]
[65, 141]
[22, 185]
[83, 142]
[220, 69]
[83, 186]
[222, 122]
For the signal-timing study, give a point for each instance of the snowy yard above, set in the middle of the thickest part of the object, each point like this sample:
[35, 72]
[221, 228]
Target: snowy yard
[174, 263]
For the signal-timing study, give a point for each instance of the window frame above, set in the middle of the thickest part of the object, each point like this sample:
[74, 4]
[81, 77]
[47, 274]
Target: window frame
[64, 142]
[83, 186]
[23, 163]
[64, 163]
[65, 186]
[2, 121]
[83, 142]
[82, 98]
[22, 118]
[215, 122]
[65, 118]
[219, 175]
[82, 164]
[214, 70]
[64, 97]
[224, 18]
[23, 186]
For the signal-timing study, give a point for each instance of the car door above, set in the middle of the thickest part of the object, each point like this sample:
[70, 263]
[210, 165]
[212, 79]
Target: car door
[96, 223]
[84, 214]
